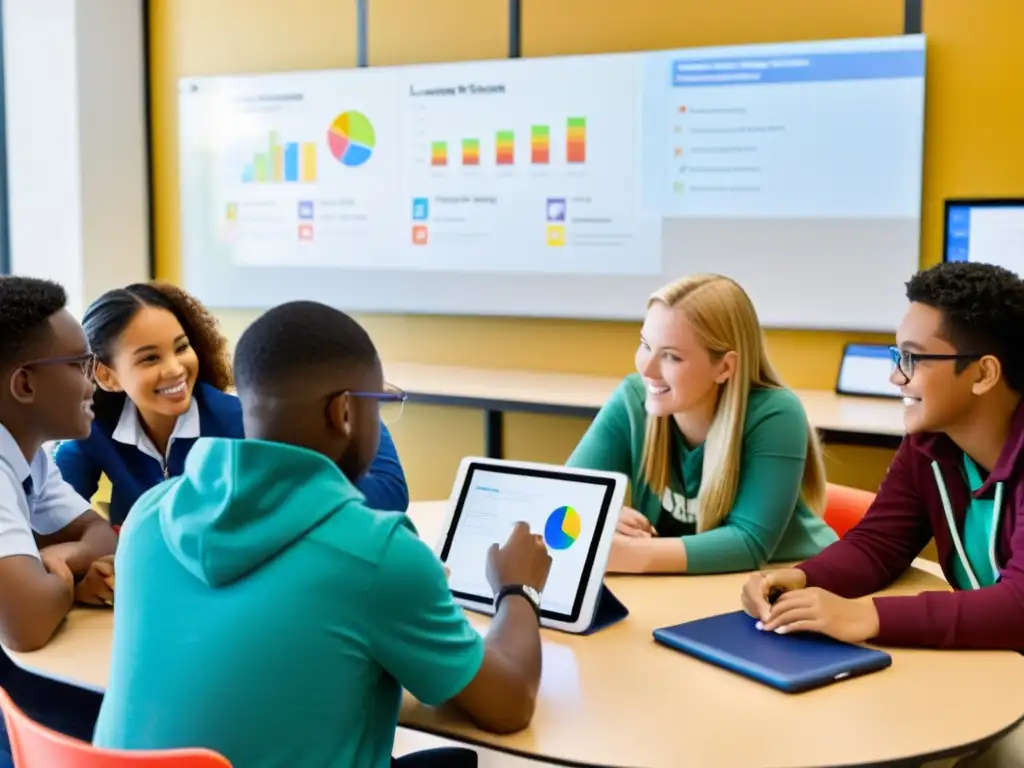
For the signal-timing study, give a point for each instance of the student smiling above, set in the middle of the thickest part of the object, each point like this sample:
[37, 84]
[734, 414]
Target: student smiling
[162, 374]
[725, 472]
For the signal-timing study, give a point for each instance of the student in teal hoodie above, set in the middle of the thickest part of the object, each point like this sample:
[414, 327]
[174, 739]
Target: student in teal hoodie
[266, 612]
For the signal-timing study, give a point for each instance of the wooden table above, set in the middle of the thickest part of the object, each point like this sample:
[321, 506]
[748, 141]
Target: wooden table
[841, 419]
[616, 698]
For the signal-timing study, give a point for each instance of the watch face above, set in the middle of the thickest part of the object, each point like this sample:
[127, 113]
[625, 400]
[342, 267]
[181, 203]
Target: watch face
[533, 594]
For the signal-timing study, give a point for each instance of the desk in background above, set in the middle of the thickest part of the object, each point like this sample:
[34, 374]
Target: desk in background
[617, 699]
[839, 419]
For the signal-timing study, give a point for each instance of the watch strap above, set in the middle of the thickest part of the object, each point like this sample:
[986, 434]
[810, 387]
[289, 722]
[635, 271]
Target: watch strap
[516, 589]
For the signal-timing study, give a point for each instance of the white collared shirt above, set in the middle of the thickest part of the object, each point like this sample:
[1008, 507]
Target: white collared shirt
[51, 505]
[130, 432]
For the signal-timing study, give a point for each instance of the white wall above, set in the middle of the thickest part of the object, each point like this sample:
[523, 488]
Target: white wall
[76, 143]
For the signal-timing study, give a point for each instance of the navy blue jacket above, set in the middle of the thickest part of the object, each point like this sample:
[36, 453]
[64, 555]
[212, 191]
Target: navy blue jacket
[132, 473]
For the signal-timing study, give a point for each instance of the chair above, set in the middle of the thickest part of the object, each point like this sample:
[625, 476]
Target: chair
[35, 746]
[845, 506]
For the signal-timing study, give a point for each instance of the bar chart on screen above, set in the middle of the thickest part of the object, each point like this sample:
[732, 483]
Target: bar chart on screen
[533, 157]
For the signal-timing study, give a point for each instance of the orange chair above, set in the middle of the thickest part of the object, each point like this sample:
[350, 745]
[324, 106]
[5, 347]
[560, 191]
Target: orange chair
[35, 746]
[845, 506]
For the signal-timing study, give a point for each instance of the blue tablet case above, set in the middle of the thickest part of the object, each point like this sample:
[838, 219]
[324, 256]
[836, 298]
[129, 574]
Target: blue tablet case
[609, 610]
[790, 663]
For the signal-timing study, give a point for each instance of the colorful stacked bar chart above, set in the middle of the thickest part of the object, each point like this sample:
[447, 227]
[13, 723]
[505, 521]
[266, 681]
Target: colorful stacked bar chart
[576, 140]
[471, 151]
[540, 144]
[505, 148]
[282, 163]
[439, 153]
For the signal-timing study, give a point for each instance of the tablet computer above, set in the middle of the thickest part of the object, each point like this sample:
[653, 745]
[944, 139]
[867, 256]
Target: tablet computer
[865, 370]
[575, 510]
[790, 663]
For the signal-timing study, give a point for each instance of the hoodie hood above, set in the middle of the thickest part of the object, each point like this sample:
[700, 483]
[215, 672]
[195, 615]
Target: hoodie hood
[241, 503]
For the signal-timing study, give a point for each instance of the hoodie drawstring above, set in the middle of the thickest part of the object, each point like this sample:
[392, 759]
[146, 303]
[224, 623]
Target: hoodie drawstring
[947, 507]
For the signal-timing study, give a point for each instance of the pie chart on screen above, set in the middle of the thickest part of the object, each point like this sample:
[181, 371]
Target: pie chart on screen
[351, 138]
[562, 528]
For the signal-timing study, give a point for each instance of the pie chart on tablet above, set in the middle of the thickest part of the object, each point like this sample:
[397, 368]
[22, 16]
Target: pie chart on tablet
[562, 528]
[351, 138]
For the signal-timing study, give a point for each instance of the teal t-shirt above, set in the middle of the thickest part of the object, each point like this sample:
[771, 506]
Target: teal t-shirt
[977, 535]
[265, 612]
[768, 522]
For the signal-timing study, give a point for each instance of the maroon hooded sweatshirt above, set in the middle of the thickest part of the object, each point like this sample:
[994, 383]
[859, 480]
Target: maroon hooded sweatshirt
[906, 513]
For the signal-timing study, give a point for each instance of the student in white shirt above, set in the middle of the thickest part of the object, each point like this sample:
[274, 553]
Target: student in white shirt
[54, 550]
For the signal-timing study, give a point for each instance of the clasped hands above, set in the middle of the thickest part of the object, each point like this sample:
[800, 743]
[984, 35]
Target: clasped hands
[800, 608]
[96, 587]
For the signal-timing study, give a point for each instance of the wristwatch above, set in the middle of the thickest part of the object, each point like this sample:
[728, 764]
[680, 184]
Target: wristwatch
[531, 594]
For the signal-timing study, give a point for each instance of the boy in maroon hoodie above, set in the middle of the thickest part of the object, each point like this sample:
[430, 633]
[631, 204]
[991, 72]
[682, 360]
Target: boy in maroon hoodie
[957, 476]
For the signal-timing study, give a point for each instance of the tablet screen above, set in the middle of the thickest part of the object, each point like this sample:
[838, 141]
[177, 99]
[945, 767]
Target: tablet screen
[568, 510]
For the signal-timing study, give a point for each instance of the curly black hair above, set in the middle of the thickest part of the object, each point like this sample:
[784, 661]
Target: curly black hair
[982, 308]
[110, 314]
[26, 304]
[289, 342]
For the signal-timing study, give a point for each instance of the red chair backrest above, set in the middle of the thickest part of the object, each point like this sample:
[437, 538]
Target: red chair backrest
[846, 506]
[35, 746]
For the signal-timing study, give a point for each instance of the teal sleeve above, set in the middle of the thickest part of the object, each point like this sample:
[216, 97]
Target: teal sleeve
[607, 443]
[771, 473]
[418, 633]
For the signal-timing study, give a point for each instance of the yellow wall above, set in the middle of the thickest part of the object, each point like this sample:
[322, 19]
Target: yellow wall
[975, 119]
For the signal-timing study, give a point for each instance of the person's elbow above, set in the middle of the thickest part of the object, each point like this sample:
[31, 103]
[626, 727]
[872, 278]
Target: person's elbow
[26, 635]
[509, 712]
[500, 699]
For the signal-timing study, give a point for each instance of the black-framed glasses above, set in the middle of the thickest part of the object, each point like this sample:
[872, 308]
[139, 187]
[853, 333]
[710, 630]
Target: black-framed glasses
[905, 360]
[86, 363]
[391, 401]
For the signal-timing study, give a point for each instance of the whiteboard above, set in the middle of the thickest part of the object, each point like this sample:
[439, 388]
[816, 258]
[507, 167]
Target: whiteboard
[566, 187]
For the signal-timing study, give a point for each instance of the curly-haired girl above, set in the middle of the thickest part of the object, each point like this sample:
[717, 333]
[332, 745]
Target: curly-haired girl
[162, 375]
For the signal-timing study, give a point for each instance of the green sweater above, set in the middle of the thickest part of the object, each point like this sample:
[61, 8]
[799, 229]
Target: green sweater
[768, 520]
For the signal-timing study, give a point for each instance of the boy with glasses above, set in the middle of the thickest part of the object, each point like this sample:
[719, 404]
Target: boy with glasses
[957, 476]
[54, 549]
[297, 613]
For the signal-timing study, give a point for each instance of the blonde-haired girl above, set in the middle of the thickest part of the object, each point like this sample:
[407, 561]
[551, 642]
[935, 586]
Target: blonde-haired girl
[726, 473]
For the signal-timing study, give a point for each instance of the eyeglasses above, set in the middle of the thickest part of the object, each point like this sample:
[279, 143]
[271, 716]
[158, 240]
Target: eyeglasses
[391, 401]
[905, 361]
[86, 363]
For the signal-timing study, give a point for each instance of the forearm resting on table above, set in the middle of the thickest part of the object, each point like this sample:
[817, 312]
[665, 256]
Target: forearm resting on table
[33, 603]
[85, 540]
[503, 695]
[642, 555]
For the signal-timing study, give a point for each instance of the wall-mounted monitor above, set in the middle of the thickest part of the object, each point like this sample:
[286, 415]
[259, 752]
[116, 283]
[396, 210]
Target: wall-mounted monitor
[568, 186]
[990, 231]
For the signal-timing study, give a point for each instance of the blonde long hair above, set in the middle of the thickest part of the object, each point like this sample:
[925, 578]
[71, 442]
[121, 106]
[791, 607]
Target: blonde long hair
[724, 319]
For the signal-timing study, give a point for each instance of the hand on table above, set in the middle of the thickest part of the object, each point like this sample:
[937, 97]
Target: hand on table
[760, 586]
[97, 586]
[816, 610]
[56, 565]
[633, 524]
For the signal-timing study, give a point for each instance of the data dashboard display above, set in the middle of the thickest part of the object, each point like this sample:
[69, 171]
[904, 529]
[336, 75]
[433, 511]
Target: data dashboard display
[565, 186]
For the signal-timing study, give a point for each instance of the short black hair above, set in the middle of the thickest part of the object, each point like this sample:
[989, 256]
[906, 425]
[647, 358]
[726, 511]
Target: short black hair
[26, 304]
[289, 342]
[982, 308]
